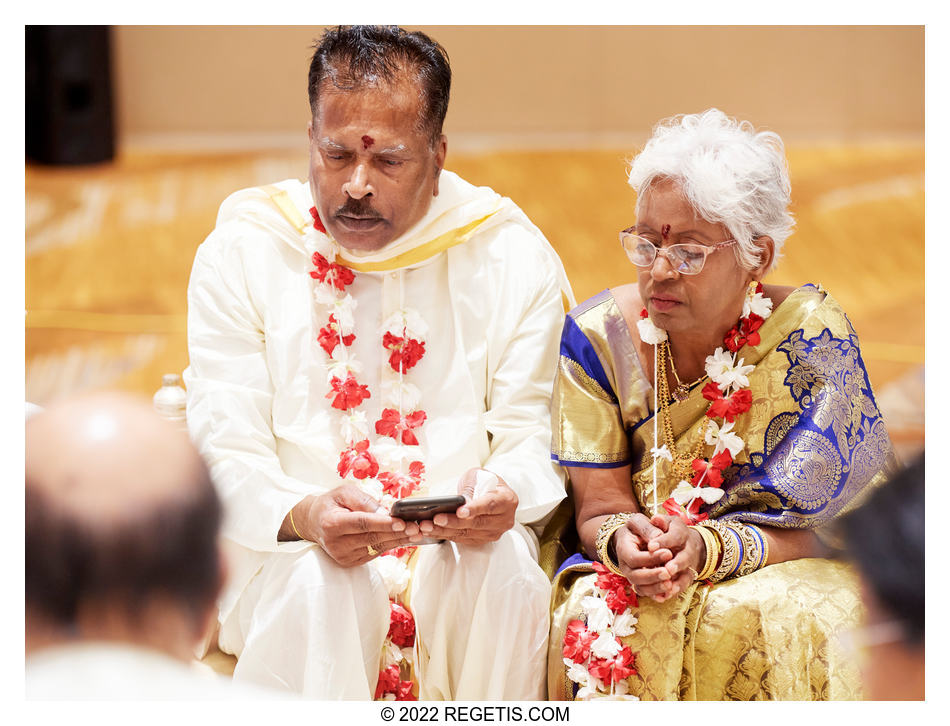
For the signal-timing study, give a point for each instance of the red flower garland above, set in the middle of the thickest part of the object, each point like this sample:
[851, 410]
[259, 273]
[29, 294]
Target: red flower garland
[577, 641]
[357, 460]
[727, 408]
[348, 393]
[619, 593]
[391, 423]
[612, 670]
[404, 352]
[402, 485]
[402, 626]
[329, 336]
[331, 273]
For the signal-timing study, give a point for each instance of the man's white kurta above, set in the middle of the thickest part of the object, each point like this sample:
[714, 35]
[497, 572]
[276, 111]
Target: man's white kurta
[492, 293]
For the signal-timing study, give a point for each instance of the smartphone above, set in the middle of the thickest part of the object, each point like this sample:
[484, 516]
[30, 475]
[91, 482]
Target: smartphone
[415, 509]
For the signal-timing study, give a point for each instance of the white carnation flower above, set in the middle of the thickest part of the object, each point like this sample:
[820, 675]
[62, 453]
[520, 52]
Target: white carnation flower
[599, 616]
[758, 304]
[391, 454]
[406, 320]
[724, 438]
[710, 495]
[342, 309]
[661, 453]
[722, 368]
[593, 689]
[400, 394]
[606, 646]
[416, 326]
[624, 624]
[649, 333]
[392, 653]
[577, 672]
[315, 241]
[324, 294]
[394, 572]
[353, 426]
[341, 363]
[683, 494]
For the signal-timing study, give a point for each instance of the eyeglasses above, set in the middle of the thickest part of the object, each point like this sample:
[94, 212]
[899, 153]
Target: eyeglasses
[685, 258]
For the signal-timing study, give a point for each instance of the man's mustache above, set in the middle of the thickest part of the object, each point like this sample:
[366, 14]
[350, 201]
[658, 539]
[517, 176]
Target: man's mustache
[358, 208]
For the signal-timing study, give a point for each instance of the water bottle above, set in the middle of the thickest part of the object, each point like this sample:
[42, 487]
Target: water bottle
[170, 400]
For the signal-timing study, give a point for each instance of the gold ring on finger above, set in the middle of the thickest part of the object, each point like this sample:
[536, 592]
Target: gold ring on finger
[372, 550]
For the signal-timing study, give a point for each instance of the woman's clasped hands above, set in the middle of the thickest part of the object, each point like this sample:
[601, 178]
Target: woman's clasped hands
[660, 556]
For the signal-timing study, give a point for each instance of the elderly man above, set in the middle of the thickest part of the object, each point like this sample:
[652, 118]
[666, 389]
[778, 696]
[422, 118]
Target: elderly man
[122, 563]
[387, 330]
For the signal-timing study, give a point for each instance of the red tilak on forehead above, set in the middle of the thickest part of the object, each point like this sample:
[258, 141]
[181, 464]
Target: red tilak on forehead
[368, 141]
[665, 231]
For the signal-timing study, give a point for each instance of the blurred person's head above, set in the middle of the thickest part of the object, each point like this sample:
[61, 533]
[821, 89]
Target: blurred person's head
[884, 538]
[121, 528]
[378, 99]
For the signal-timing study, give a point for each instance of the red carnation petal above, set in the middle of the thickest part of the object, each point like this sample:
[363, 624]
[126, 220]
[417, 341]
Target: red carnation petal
[317, 223]
[711, 392]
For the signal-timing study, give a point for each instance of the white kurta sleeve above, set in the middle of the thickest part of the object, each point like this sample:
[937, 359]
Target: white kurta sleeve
[522, 356]
[230, 395]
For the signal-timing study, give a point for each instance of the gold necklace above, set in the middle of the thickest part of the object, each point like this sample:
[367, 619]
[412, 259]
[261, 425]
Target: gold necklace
[682, 464]
[681, 392]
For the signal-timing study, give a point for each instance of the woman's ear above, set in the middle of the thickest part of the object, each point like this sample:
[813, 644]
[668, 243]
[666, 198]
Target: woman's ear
[766, 248]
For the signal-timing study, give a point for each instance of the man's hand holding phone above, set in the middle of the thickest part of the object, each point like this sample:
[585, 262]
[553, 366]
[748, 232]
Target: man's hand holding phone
[488, 511]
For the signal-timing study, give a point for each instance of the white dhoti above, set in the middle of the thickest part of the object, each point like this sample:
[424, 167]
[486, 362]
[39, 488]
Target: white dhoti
[308, 625]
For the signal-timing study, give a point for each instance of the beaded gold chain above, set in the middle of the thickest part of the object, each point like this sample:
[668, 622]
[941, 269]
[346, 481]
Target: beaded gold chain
[682, 464]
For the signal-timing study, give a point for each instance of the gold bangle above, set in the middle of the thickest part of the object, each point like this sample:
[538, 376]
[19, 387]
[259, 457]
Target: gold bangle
[294, 526]
[713, 551]
[750, 558]
[765, 545]
[730, 550]
[602, 542]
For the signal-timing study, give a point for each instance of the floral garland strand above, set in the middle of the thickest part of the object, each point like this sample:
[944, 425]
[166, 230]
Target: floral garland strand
[595, 656]
[729, 395]
[397, 445]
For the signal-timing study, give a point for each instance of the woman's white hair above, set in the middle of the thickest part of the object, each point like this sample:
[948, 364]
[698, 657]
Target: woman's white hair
[728, 172]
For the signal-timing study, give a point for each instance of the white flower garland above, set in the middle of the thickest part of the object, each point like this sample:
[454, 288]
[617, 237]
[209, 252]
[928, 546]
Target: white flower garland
[396, 449]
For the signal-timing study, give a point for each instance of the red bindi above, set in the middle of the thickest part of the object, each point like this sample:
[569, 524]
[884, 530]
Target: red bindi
[368, 141]
[665, 231]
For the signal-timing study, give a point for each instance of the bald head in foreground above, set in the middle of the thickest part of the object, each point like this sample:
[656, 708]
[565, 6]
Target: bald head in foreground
[122, 562]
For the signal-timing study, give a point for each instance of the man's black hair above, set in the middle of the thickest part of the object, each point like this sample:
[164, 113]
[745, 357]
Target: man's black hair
[350, 57]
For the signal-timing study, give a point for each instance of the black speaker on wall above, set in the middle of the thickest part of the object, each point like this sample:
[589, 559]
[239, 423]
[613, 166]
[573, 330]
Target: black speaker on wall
[68, 94]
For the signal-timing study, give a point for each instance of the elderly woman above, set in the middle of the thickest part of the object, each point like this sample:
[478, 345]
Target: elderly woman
[709, 425]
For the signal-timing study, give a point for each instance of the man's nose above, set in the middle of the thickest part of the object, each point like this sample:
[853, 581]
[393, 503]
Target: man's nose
[358, 185]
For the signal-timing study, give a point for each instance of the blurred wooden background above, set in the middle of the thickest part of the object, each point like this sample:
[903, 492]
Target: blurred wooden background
[549, 120]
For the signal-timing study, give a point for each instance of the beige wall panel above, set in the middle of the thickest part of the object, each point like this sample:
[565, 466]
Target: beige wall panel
[541, 85]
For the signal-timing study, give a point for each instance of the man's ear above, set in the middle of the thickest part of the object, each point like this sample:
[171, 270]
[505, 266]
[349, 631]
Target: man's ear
[440, 152]
[310, 131]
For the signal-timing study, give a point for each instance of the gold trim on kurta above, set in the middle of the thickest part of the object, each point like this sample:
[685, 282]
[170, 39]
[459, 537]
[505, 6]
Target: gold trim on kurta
[286, 205]
[413, 256]
[421, 252]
